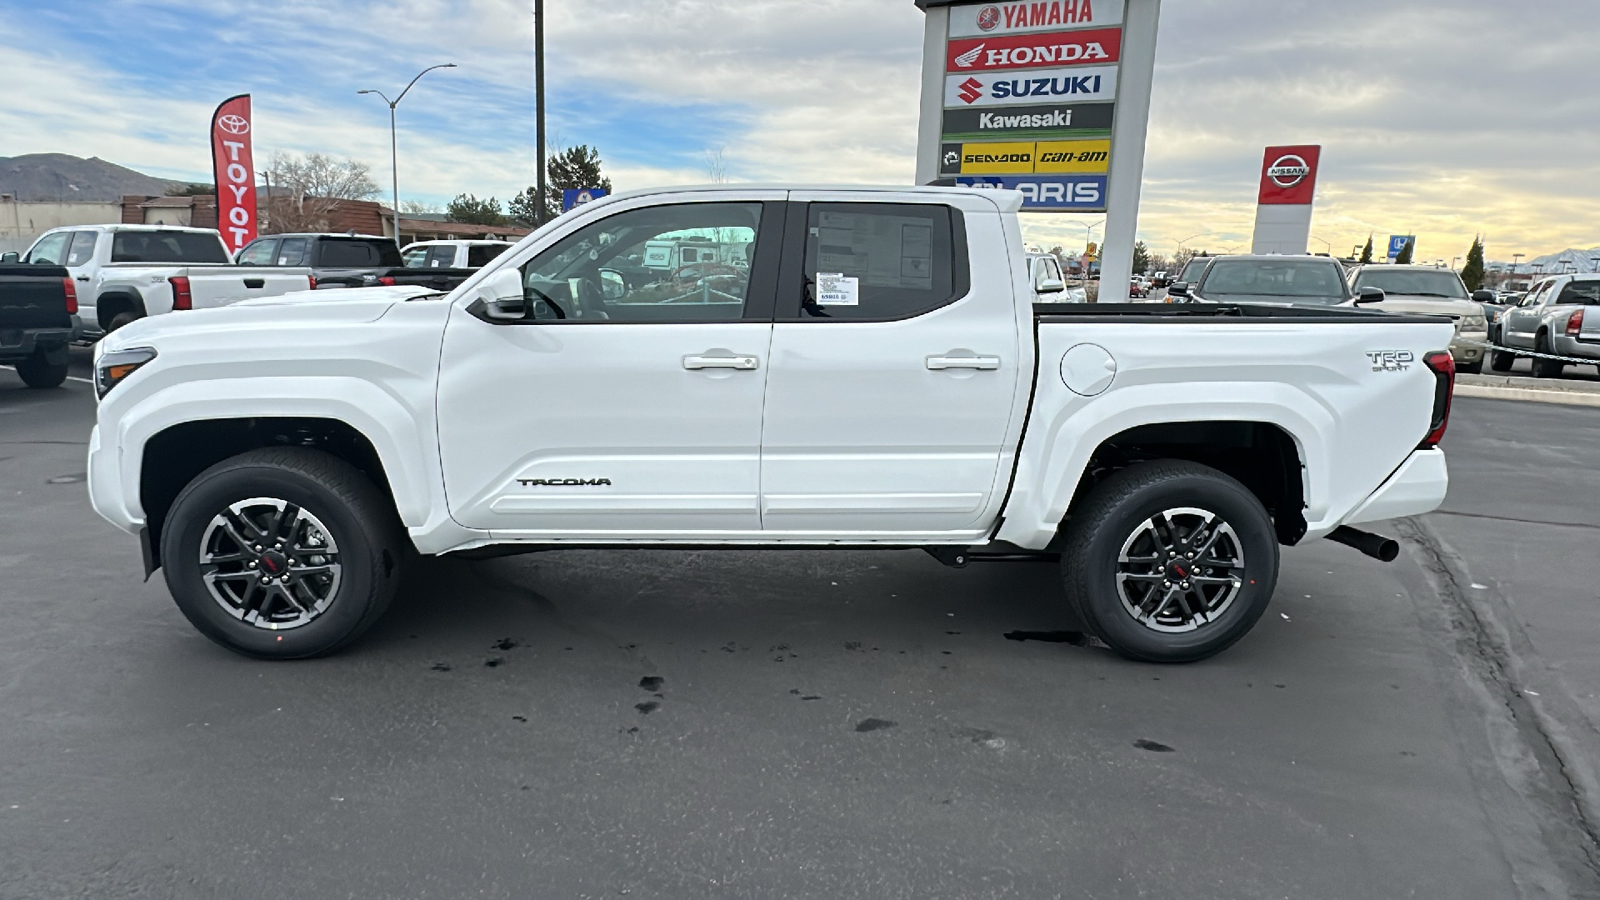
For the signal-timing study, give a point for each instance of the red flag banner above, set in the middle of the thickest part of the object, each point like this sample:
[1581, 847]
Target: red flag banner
[233, 167]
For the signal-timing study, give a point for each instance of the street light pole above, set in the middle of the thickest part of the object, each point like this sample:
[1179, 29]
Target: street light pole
[394, 152]
[538, 100]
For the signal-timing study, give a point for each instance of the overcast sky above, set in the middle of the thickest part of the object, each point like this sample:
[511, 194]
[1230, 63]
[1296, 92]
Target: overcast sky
[1442, 118]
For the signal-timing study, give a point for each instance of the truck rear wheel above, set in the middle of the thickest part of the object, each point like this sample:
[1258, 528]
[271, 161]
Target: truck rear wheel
[1170, 561]
[281, 553]
[1546, 368]
[37, 371]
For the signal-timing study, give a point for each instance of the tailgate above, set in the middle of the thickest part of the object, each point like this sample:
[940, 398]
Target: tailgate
[1591, 324]
[230, 284]
[33, 297]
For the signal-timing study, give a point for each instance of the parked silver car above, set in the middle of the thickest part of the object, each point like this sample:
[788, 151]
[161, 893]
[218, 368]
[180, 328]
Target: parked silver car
[1557, 317]
[1432, 291]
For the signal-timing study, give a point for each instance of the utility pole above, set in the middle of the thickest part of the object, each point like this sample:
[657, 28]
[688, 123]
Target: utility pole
[538, 99]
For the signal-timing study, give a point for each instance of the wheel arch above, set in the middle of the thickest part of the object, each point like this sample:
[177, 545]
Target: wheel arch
[108, 304]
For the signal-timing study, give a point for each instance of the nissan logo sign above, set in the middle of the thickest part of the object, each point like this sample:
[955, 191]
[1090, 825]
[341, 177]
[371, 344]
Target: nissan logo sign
[234, 124]
[1288, 171]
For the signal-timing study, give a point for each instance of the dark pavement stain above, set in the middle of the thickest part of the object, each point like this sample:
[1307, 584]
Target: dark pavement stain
[493, 661]
[520, 718]
[1152, 746]
[873, 725]
[1075, 638]
[441, 667]
[852, 645]
[652, 683]
[952, 632]
[976, 735]
[811, 697]
[633, 730]
[504, 644]
[647, 707]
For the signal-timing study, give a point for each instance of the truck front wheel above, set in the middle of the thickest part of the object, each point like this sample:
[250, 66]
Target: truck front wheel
[281, 553]
[1170, 561]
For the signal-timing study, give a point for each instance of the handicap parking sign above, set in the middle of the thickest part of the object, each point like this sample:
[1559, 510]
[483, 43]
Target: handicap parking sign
[571, 197]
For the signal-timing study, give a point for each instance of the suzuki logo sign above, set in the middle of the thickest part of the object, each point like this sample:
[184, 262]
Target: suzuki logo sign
[971, 90]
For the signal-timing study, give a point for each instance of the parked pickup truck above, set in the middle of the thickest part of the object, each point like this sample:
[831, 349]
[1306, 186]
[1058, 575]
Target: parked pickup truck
[458, 254]
[348, 260]
[127, 272]
[1557, 317]
[38, 319]
[879, 377]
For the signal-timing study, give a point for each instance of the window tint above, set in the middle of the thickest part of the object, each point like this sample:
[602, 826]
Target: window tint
[167, 247]
[342, 253]
[1317, 282]
[51, 249]
[1194, 268]
[878, 260]
[679, 263]
[1584, 292]
[415, 257]
[82, 250]
[292, 253]
[258, 253]
[1413, 282]
[443, 255]
[482, 254]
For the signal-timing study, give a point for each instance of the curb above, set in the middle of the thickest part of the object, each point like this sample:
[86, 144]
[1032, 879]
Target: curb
[1533, 390]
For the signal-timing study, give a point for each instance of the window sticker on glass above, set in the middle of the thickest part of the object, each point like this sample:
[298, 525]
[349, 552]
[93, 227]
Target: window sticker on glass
[881, 250]
[838, 289]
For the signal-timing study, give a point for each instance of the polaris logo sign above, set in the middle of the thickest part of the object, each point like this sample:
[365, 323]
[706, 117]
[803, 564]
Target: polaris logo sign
[1055, 193]
[1094, 83]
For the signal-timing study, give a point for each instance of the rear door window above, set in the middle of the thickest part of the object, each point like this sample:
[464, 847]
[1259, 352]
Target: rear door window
[483, 254]
[342, 254]
[81, 252]
[880, 261]
[442, 256]
[292, 253]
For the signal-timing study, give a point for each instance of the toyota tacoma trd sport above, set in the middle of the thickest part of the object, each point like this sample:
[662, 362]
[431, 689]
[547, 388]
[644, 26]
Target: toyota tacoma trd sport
[878, 376]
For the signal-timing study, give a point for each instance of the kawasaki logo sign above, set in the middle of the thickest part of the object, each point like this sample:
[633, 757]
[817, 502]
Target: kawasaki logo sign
[1049, 120]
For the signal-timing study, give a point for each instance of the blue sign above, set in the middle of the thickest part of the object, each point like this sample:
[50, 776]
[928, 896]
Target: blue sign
[571, 197]
[1398, 242]
[1075, 193]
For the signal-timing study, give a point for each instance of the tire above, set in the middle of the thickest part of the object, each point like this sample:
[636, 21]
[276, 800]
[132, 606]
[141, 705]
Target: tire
[125, 317]
[1546, 368]
[1121, 514]
[38, 372]
[337, 595]
[1501, 360]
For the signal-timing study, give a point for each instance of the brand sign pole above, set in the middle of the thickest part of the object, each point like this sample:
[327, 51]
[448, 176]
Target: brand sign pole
[233, 169]
[1051, 99]
[1284, 199]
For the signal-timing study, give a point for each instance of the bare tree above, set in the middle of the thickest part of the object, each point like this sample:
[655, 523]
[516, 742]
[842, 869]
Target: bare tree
[716, 166]
[306, 189]
[419, 208]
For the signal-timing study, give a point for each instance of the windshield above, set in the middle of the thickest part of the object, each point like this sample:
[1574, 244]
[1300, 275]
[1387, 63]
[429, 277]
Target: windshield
[1301, 281]
[167, 247]
[1193, 268]
[1423, 283]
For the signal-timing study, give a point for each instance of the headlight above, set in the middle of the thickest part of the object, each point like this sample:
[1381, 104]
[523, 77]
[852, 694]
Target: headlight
[112, 367]
[1474, 323]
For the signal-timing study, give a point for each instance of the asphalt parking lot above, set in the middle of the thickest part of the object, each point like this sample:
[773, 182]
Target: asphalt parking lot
[814, 723]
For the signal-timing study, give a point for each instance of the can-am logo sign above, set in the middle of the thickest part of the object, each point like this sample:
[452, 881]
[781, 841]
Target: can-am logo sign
[1288, 171]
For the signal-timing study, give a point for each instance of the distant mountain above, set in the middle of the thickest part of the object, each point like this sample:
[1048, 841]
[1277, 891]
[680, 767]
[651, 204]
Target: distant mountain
[61, 176]
[1570, 260]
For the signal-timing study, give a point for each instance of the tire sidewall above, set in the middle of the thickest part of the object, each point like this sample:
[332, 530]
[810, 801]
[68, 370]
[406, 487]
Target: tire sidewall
[211, 493]
[1235, 505]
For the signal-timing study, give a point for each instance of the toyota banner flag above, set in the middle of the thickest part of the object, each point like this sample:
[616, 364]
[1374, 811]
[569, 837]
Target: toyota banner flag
[233, 167]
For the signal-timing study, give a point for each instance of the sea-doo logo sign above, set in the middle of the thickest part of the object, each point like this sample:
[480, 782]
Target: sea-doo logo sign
[1032, 51]
[1096, 83]
[564, 482]
[1288, 171]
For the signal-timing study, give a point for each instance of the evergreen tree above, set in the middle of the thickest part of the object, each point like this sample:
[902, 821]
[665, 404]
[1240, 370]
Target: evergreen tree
[468, 209]
[1472, 272]
[575, 167]
[1366, 252]
[1141, 258]
[1404, 259]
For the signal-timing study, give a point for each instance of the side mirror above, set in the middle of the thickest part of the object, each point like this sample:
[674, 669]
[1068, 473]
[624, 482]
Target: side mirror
[612, 284]
[1369, 295]
[1484, 297]
[10, 257]
[1178, 289]
[503, 297]
[1044, 284]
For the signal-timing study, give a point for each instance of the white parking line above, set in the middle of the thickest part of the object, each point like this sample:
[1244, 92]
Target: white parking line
[84, 380]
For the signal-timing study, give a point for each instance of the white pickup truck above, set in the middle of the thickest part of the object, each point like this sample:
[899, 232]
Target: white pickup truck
[879, 377]
[127, 272]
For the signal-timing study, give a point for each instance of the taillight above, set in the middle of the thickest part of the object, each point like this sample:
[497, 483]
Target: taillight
[313, 280]
[72, 296]
[1443, 366]
[181, 297]
[386, 280]
[1575, 323]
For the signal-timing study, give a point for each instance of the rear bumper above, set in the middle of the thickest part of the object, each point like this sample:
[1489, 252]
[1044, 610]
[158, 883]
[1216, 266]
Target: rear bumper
[1417, 487]
[1566, 345]
[20, 343]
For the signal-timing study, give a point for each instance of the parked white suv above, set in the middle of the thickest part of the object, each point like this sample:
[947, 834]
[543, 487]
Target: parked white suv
[127, 272]
[452, 254]
[879, 376]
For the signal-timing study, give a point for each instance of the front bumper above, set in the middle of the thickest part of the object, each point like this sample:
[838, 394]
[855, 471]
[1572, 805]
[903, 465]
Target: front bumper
[105, 486]
[1465, 352]
[1417, 487]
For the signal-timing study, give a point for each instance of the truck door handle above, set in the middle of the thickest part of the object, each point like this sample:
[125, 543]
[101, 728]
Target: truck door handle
[255, 282]
[83, 278]
[937, 363]
[719, 362]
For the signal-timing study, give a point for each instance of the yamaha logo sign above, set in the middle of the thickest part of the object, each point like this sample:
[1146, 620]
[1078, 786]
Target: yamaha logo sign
[1288, 170]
